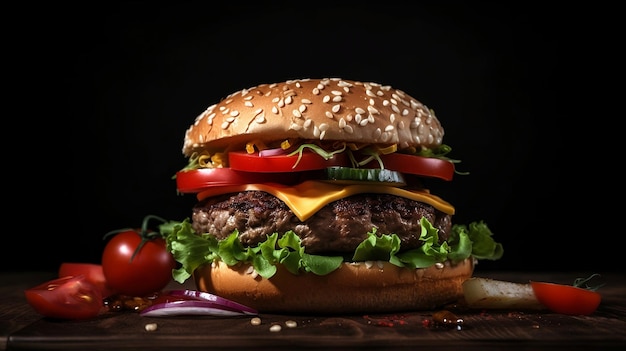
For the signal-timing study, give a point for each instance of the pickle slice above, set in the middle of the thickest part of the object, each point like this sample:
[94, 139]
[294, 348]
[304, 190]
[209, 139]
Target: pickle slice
[348, 175]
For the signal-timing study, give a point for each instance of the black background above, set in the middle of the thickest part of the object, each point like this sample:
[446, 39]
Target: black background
[113, 88]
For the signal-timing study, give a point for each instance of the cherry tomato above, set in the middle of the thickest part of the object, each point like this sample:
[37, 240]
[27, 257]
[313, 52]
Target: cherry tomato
[135, 264]
[70, 297]
[422, 166]
[243, 161]
[566, 299]
[194, 181]
[92, 272]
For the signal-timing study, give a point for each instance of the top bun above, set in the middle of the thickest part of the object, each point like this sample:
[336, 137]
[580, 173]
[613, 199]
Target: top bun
[326, 109]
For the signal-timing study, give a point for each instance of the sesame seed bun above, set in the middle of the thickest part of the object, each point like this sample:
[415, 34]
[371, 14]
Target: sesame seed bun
[318, 109]
[363, 287]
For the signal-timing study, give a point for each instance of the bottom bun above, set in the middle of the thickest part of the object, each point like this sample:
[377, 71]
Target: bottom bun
[364, 287]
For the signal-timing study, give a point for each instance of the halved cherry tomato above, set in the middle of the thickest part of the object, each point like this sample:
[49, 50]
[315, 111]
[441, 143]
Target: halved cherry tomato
[91, 271]
[136, 266]
[71, 297]
[566, 299]
[422, 166]
[194, 181]
[243, 161]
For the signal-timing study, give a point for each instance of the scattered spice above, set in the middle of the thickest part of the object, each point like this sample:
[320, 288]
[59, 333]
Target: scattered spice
[387, 321]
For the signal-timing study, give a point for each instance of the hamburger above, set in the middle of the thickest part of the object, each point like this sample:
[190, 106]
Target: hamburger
[311, 198]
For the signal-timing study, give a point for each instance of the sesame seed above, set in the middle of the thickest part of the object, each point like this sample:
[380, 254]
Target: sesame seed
[302, 108]
[275, 110]
[297, 113]
[326, 98]
[288, 100]
[275, 328]
[336, 108]
[377, 133]
[291, 324]
[306, 101]
[329, 114]
[373, 110]
[248, 104]
[234, 113]
[337, 98]
[255, 321]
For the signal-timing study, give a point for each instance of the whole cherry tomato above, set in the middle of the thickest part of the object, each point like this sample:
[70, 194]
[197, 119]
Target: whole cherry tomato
[137, 262]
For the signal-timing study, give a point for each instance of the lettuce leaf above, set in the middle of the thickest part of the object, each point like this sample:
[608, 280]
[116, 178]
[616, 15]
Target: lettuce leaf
[192, 250]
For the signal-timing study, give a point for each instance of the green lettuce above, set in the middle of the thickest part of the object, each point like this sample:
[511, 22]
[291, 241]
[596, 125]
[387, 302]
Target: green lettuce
[192, 250]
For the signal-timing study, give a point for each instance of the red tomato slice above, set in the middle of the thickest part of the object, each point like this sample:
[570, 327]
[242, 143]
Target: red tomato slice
[566, 299]
[93, 273]
[243, 161]
[71, 297]
[418, 165]
[194, 181]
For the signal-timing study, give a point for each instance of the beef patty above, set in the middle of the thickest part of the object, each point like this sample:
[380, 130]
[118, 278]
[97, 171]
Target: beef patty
[339, 227]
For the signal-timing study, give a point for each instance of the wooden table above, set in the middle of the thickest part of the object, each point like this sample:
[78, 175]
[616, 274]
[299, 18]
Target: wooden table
[22, 329]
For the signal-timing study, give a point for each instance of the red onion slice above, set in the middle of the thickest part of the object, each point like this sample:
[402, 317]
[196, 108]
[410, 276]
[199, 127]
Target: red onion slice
[190, 308]
[205, 296]
[272, 152]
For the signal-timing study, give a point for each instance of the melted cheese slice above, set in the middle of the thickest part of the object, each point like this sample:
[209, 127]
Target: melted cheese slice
[310, 196]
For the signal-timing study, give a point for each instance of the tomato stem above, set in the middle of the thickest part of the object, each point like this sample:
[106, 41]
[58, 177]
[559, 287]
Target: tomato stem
[145, 234]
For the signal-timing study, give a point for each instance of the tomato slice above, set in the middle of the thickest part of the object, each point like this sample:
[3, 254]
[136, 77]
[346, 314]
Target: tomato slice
[92, 272]
[566, 299]
[418, 165]
[71, 297]
[194, 181]
[309, 161]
